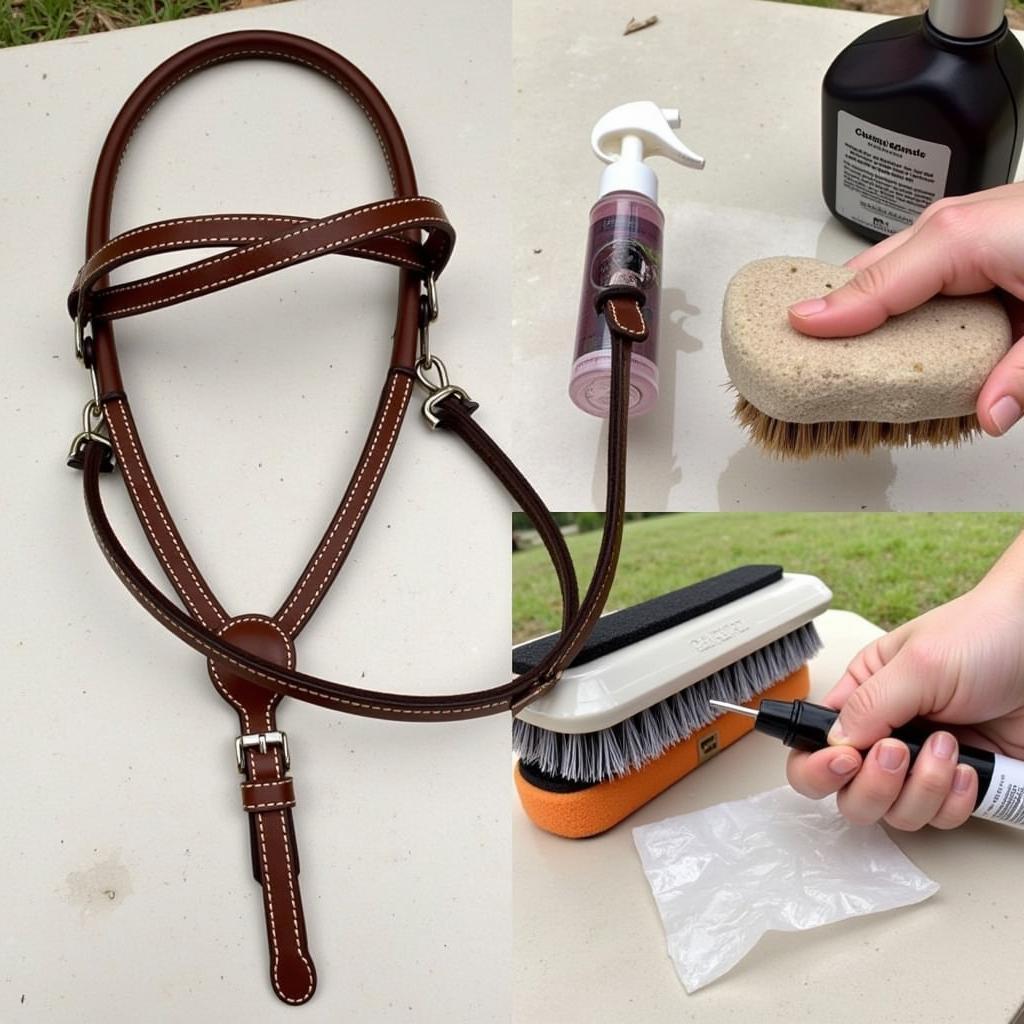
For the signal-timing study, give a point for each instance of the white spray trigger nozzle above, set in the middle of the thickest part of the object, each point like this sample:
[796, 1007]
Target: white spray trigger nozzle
[637, 130]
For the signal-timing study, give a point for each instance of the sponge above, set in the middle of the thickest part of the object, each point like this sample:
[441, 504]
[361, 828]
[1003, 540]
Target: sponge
[915, 378]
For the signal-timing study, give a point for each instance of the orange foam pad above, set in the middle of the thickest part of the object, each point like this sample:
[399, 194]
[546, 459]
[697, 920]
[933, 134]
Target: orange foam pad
[597, 808]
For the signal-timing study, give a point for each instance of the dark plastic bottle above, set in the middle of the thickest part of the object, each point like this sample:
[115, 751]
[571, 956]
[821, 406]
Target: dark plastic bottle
[912, 113]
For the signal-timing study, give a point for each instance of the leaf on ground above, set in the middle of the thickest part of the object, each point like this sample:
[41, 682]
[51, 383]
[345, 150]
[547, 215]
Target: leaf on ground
[104, 18]
[635, 25]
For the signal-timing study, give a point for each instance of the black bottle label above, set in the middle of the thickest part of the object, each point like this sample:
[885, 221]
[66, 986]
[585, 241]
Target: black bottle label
[884, 179]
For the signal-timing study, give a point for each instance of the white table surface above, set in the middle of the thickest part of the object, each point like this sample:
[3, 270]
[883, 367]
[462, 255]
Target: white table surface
[127, 886]
[589, 944]
[746, 75]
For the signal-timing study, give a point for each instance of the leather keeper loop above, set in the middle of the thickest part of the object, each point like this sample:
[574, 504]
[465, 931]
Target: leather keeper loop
[276, 795]
[629, 292]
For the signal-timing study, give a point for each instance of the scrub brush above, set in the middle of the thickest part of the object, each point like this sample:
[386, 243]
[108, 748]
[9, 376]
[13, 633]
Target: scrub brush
[630, 716]
[914, 380]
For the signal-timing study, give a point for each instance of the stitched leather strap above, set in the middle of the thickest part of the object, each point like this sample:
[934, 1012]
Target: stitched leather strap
[513, 694]
[251, 658]
[368, 231]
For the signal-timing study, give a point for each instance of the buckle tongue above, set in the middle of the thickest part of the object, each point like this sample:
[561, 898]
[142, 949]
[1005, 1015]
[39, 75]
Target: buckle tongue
[261, 740]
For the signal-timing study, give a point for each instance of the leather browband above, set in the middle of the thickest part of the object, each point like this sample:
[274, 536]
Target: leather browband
[251, 657]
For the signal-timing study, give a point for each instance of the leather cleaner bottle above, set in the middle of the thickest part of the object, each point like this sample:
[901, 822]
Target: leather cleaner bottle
[624, 247]
[920, 108]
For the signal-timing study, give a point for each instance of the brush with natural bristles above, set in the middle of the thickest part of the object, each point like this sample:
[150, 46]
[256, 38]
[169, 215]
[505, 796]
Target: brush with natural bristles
[805, 440]
[631, 715]
[914, 380]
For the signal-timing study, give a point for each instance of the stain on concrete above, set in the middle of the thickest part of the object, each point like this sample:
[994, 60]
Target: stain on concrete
[100, 888]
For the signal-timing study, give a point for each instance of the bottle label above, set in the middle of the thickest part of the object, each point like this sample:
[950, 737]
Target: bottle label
[885, 179]
[1004, 800]
[625, 248]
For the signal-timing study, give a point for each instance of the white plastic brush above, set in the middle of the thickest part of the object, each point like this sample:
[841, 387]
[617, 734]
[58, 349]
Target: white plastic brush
[638, 692]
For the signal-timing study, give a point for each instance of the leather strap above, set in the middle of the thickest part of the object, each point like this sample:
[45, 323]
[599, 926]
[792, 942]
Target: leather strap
[341, 232]
[251, 657]
[369, 231]
[511, 695]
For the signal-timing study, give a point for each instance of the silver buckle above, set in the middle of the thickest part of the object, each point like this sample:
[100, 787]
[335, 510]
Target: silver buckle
[261, 740]
[439, 390]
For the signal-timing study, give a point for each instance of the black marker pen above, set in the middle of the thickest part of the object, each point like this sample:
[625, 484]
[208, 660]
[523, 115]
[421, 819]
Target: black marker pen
[804, 726]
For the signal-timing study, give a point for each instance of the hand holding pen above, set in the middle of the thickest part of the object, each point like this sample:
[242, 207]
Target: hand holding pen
[961, 666]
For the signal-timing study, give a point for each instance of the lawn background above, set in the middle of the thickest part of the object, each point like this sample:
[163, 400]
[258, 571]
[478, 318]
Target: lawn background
[885, 566]
[33, 21]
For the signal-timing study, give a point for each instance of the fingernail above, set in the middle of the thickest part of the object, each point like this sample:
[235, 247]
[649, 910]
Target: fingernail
[809, 307]
[836, 736]
[1005, 413]
[962, 779]
[843, 765]
[943, 745]
[891, 755]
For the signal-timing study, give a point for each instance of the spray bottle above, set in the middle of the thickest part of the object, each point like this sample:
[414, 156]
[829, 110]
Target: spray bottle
[625, 248]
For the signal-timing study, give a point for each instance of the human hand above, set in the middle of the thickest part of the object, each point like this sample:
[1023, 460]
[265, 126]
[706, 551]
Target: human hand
[958, 246]
[961, 665]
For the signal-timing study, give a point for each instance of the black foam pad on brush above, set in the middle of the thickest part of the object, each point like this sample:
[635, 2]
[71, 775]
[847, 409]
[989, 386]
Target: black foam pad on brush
[622, 628]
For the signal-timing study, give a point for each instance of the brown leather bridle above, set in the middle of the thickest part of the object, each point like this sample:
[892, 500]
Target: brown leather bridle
[251, 657]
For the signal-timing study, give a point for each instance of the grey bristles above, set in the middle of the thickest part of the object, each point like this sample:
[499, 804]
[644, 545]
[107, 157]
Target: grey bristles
[621, 748]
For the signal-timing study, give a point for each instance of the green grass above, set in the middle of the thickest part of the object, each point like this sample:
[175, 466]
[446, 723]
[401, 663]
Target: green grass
[887, 566]
[32, 21]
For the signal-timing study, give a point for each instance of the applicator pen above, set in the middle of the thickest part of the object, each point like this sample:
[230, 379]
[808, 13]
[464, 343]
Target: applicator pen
[804, 726]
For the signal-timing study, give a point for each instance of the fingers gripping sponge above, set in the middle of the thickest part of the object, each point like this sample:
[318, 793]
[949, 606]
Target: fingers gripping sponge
[588, 811]
[914, 379]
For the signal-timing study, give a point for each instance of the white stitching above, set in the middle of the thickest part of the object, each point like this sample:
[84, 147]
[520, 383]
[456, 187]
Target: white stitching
[117, 311]
[270, 909]
[392, 258]
[316, 695]
[309, 225]
[104, 267]
[291, 896]
[226, 218]
[237, 704]
[627, 330]
[277, 56]
[274, 805]
[296, 593]
[121, 407]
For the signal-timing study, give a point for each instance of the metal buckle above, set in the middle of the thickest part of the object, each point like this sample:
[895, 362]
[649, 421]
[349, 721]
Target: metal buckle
[439, 391]
[432, 306]
[429, 310]
[261, 740]
[92, 420]
[79, 338]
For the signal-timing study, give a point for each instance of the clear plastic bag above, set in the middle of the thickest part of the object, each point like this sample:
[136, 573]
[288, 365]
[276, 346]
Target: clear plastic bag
[723, 876]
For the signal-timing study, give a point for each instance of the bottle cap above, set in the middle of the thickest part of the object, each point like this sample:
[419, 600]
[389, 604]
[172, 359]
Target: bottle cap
[624, 137]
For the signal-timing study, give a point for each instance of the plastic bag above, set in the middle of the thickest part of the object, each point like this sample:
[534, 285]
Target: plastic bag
[723, 876]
